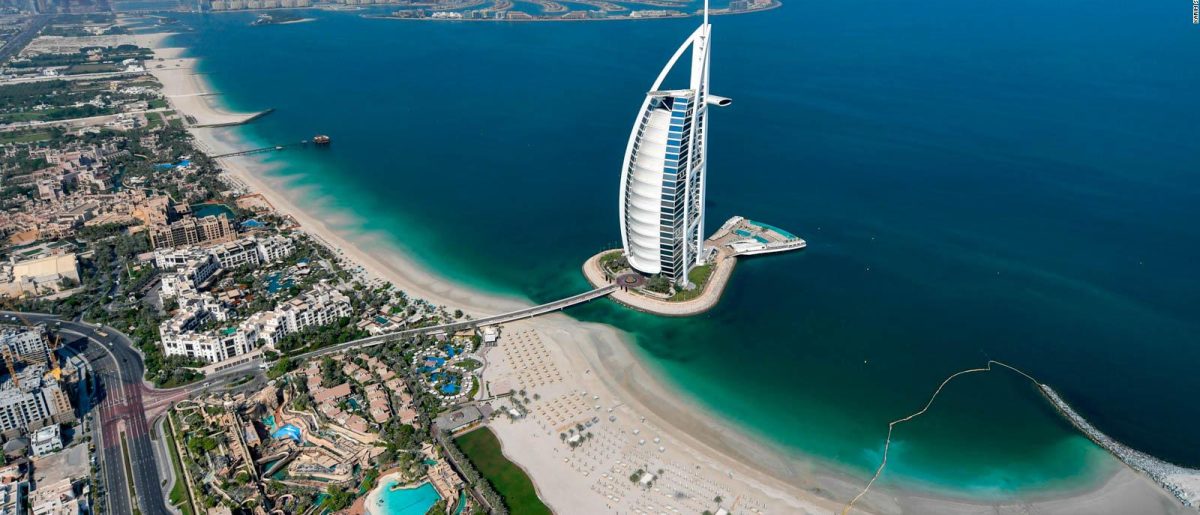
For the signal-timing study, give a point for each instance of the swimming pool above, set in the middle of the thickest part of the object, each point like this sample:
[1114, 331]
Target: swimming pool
[404, 501]
[781, 232]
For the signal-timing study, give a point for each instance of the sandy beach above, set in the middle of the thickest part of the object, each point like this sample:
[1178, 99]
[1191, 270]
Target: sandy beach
[584, 372]
[185, 89]
[373, 499]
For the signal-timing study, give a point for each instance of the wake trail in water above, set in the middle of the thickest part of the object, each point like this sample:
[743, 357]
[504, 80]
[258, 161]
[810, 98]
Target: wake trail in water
[1181, 482]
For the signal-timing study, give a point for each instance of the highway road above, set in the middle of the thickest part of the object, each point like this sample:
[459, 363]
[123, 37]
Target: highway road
[118, 373]
[18, 42]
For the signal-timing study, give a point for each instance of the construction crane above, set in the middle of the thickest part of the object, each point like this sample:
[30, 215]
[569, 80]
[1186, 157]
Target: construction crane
[12, 369]
[55, 371]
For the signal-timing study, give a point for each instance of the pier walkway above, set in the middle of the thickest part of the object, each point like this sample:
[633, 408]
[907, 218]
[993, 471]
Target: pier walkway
[503, 318]
[255, 151]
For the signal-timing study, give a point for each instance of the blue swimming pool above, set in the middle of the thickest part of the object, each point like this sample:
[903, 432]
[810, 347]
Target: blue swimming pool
[403, 501]
[276, 282]
[781, 232]
[288, 431]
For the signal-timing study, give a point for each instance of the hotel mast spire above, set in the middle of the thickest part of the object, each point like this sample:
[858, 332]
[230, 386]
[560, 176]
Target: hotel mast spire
[663, 174]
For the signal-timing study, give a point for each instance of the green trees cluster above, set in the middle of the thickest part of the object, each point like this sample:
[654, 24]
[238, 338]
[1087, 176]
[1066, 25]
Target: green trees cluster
[473, 477]
[199, 446]
[317, 337]
[339, 499]
[659, 284]
[280, 367]
[330, 374]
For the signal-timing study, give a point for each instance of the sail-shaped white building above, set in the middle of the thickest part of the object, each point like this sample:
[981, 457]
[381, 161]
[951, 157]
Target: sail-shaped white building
[663, 174]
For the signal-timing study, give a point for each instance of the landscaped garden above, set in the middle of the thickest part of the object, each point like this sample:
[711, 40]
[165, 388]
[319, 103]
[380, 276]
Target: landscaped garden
[483, 449]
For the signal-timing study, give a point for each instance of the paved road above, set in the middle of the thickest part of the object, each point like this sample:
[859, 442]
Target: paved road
[18, 42]
[118, 372]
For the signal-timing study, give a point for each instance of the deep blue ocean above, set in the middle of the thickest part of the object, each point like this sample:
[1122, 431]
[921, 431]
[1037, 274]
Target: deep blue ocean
[1007, 180]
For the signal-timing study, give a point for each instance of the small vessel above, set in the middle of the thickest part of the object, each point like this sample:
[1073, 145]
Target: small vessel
[321, 139]
[263, 19]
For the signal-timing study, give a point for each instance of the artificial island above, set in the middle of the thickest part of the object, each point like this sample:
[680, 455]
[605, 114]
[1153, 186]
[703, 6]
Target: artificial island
[665, 265]
[499, 10]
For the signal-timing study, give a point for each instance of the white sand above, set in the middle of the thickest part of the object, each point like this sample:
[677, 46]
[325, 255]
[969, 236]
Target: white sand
[373, 497]
[183, 86]
[702, 455]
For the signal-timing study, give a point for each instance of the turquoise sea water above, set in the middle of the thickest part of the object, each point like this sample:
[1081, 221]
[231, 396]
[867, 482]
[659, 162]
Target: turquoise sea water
[975, 180]
[405, 501]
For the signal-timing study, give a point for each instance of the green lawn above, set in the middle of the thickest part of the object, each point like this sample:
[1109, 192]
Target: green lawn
[179, 495]
[483, 449]
[76, 69]
[153, 120]
[699, 277]
[23, 137]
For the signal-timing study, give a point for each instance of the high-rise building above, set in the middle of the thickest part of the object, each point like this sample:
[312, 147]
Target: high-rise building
[663, 175]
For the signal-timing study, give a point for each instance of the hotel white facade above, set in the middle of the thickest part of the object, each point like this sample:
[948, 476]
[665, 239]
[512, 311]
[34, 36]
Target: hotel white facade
[663, 174]
[320, 306]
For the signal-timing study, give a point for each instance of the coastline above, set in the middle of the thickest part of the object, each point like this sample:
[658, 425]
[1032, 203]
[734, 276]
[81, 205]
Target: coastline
[786, 485]
[714, 288]
[372, 499]
[184, 88]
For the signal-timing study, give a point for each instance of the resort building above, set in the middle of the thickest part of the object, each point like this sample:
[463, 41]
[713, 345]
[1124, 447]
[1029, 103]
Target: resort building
[253, 251]
[663, 173]
[192, 231]
[315, 308]
[320, 306]
[187, 269]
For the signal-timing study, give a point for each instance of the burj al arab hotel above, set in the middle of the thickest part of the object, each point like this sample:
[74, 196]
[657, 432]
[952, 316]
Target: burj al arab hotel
[663, 175]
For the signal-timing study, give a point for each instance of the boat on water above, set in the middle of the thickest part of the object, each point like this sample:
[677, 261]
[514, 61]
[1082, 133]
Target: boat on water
[321, 139]
[268, 19]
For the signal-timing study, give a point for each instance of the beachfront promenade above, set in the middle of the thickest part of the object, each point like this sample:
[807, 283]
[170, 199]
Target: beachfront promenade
[503, 318]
